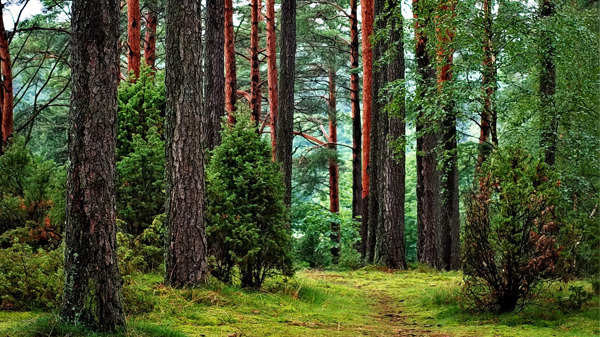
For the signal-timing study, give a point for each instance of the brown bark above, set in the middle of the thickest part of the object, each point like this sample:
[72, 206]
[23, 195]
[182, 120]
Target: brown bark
[7, 85]
[428, 181]
[449, 216]
[150, 38]
[92, 292]
[230, 66]
[285, 120]
[549, 118]
[254, 62]
[215, 76]
[134, 37]
[392, 244]
[355, 107]
[186, 238]
[334, 172]
[488, 138]
[367, 9]
[272, 69]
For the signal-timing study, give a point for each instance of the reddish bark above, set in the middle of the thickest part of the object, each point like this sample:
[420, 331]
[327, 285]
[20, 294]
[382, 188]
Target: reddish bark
[150, 46]
[7, 85]
[272, 70]
[334, 173]
[355, 107]
[230, 66]
[134, 37]
[367, 13]
[254, 63]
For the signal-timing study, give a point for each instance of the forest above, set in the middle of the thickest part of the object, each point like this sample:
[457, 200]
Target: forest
[299, 168]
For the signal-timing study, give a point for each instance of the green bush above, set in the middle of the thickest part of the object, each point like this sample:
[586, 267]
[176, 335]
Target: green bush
[247, 220]
[514, 238]
[29, 278]
[142, 253]
[141, 151]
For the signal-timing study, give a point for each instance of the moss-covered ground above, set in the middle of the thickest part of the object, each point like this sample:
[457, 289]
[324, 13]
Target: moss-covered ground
[367, 302]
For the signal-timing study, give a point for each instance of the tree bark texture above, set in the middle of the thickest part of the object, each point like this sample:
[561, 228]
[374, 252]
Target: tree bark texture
[428, 179]
[367, 14]
[255, 94]
[7, 84]
[548, 118]
[285, 120]
[272, 70]
[186, 238]
[134, 37]
[92, 292]
[391, 250]
[230, 66]
[355, 108]
[334, 172]
[150, 36]
[214, 65]
[449, 216]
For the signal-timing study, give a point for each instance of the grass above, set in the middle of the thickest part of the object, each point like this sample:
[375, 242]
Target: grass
[419, 302]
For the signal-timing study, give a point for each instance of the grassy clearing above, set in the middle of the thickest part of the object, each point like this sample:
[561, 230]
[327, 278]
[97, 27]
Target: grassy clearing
[419, 302]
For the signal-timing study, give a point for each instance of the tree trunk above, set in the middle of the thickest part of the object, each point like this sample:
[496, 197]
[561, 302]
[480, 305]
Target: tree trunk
[254, 62]
[428, 181]
[186, 238]
[92, 292]
[392, 247]
[230, 67]
[488, 86]
[134, 37]
[272, 70]
[214, 65]
[449, 216]
[356, 122]
[7, 87]
[285, 120]
[367, 8]
[334, 173]
[151, 25]
[549, 118]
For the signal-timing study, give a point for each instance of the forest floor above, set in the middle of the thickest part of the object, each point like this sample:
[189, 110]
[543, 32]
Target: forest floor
[367, 302]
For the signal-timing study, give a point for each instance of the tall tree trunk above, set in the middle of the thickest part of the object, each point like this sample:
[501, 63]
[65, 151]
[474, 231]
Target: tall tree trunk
[449, 216]
[186, 238]
[428, 180]
[7, 84]
[488, 86]
[214, 65]
[367, 9]
[151, 25]
[254, 62]
[92, 292]
[355, 107]
[272, 70]
[549, 118]
[285, 120]
[392, 247]
[230, 66]
[334, 173]
[134, 37]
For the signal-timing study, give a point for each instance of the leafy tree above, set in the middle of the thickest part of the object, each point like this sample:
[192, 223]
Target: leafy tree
[246, 214]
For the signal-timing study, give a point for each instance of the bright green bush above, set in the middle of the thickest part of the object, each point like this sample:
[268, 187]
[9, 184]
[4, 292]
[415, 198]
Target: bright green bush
[142, 253]
[141, 151]
[247, 220]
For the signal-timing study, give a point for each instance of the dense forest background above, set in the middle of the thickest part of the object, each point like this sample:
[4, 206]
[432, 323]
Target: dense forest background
[464, 121]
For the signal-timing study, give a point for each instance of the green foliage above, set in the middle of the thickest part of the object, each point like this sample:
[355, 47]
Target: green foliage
[576, 298]
[32, 198]
[30, 278]
[514, 238]
[142, 253]
[140, 151]
[247, 220]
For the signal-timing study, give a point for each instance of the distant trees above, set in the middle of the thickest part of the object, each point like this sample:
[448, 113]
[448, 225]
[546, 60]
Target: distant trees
[186, 239]
[214, 83]
[92, 292]
[134, 37]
